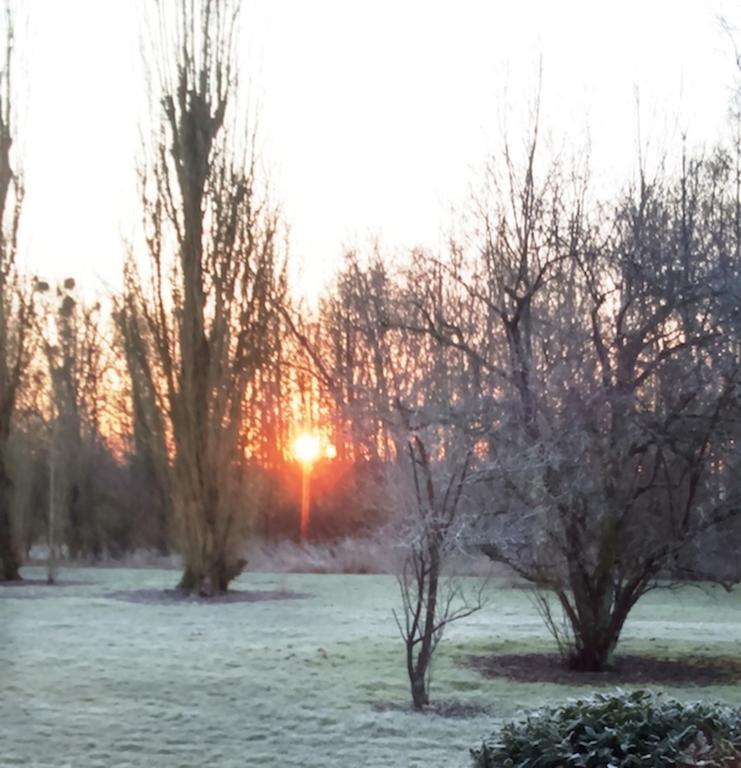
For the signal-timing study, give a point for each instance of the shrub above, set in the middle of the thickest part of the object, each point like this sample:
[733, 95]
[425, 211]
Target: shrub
[622, 730]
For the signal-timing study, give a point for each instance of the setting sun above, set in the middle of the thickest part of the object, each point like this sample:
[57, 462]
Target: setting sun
[306, 448]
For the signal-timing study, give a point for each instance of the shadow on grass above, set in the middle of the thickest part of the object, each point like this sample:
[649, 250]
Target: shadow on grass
[628, 669]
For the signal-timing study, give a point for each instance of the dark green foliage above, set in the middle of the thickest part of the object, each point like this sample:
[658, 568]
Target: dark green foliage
[622, 730]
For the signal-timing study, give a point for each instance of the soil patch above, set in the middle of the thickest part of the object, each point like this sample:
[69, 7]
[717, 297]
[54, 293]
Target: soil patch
[175, 597]
[549, 668]
[451, 709]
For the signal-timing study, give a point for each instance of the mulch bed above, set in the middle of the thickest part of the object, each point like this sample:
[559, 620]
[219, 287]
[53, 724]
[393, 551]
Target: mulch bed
[628, 669]
[176, 597]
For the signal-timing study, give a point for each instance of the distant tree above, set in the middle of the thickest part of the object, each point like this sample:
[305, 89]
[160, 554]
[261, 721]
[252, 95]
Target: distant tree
[27, 462]
[15, 304]
[202, 310]
[148, 459]
[74, 351]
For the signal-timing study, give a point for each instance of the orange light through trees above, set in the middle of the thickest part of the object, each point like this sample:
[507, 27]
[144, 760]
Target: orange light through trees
[307, 448]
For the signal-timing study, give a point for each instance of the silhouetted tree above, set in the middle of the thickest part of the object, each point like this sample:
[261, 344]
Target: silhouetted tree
[202, 332]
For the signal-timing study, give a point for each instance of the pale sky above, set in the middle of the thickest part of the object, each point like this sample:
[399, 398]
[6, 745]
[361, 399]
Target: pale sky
[375, 117]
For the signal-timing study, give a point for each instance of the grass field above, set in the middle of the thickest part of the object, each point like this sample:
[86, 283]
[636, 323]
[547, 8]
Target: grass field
[87, 679]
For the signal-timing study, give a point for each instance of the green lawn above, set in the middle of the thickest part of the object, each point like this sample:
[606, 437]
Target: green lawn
[90, 680]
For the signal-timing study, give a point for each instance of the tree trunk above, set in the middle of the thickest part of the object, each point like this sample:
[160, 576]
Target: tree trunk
[596, 619]
[9, 559]
[210, 581]
[417, 677]
[202, 583]
[595, 641]
[593, 654]
[427, 600]
[420, 694]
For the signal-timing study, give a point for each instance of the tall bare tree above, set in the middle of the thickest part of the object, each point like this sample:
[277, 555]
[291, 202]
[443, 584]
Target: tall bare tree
[203, 327]
[15, 304]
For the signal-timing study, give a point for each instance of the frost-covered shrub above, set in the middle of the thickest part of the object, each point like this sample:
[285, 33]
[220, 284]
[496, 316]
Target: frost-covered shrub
[622, 730]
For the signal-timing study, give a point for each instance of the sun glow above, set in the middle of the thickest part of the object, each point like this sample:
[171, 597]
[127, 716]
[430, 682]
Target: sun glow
[307, 448]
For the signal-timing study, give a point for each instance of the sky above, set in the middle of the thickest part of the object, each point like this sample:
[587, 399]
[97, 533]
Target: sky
[376, 118]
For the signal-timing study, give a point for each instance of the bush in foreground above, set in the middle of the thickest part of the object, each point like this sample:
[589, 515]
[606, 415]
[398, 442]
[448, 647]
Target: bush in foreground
[622, 730]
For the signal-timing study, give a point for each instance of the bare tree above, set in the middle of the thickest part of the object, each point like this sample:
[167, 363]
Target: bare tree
[15, 304]
[149, 459]
[75, 357]
[395, 387]
[431, 528]
[629, 428]
[203, 329]
[606, 382]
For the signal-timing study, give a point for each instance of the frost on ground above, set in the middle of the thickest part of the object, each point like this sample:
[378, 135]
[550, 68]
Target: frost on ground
[89, 680]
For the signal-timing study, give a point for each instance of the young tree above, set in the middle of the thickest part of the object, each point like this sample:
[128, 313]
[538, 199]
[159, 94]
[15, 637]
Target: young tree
[431, 526]
[15, 304]
[408, 421]
[203, 327]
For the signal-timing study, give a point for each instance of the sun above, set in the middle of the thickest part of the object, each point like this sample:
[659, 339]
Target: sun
[306, 448]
